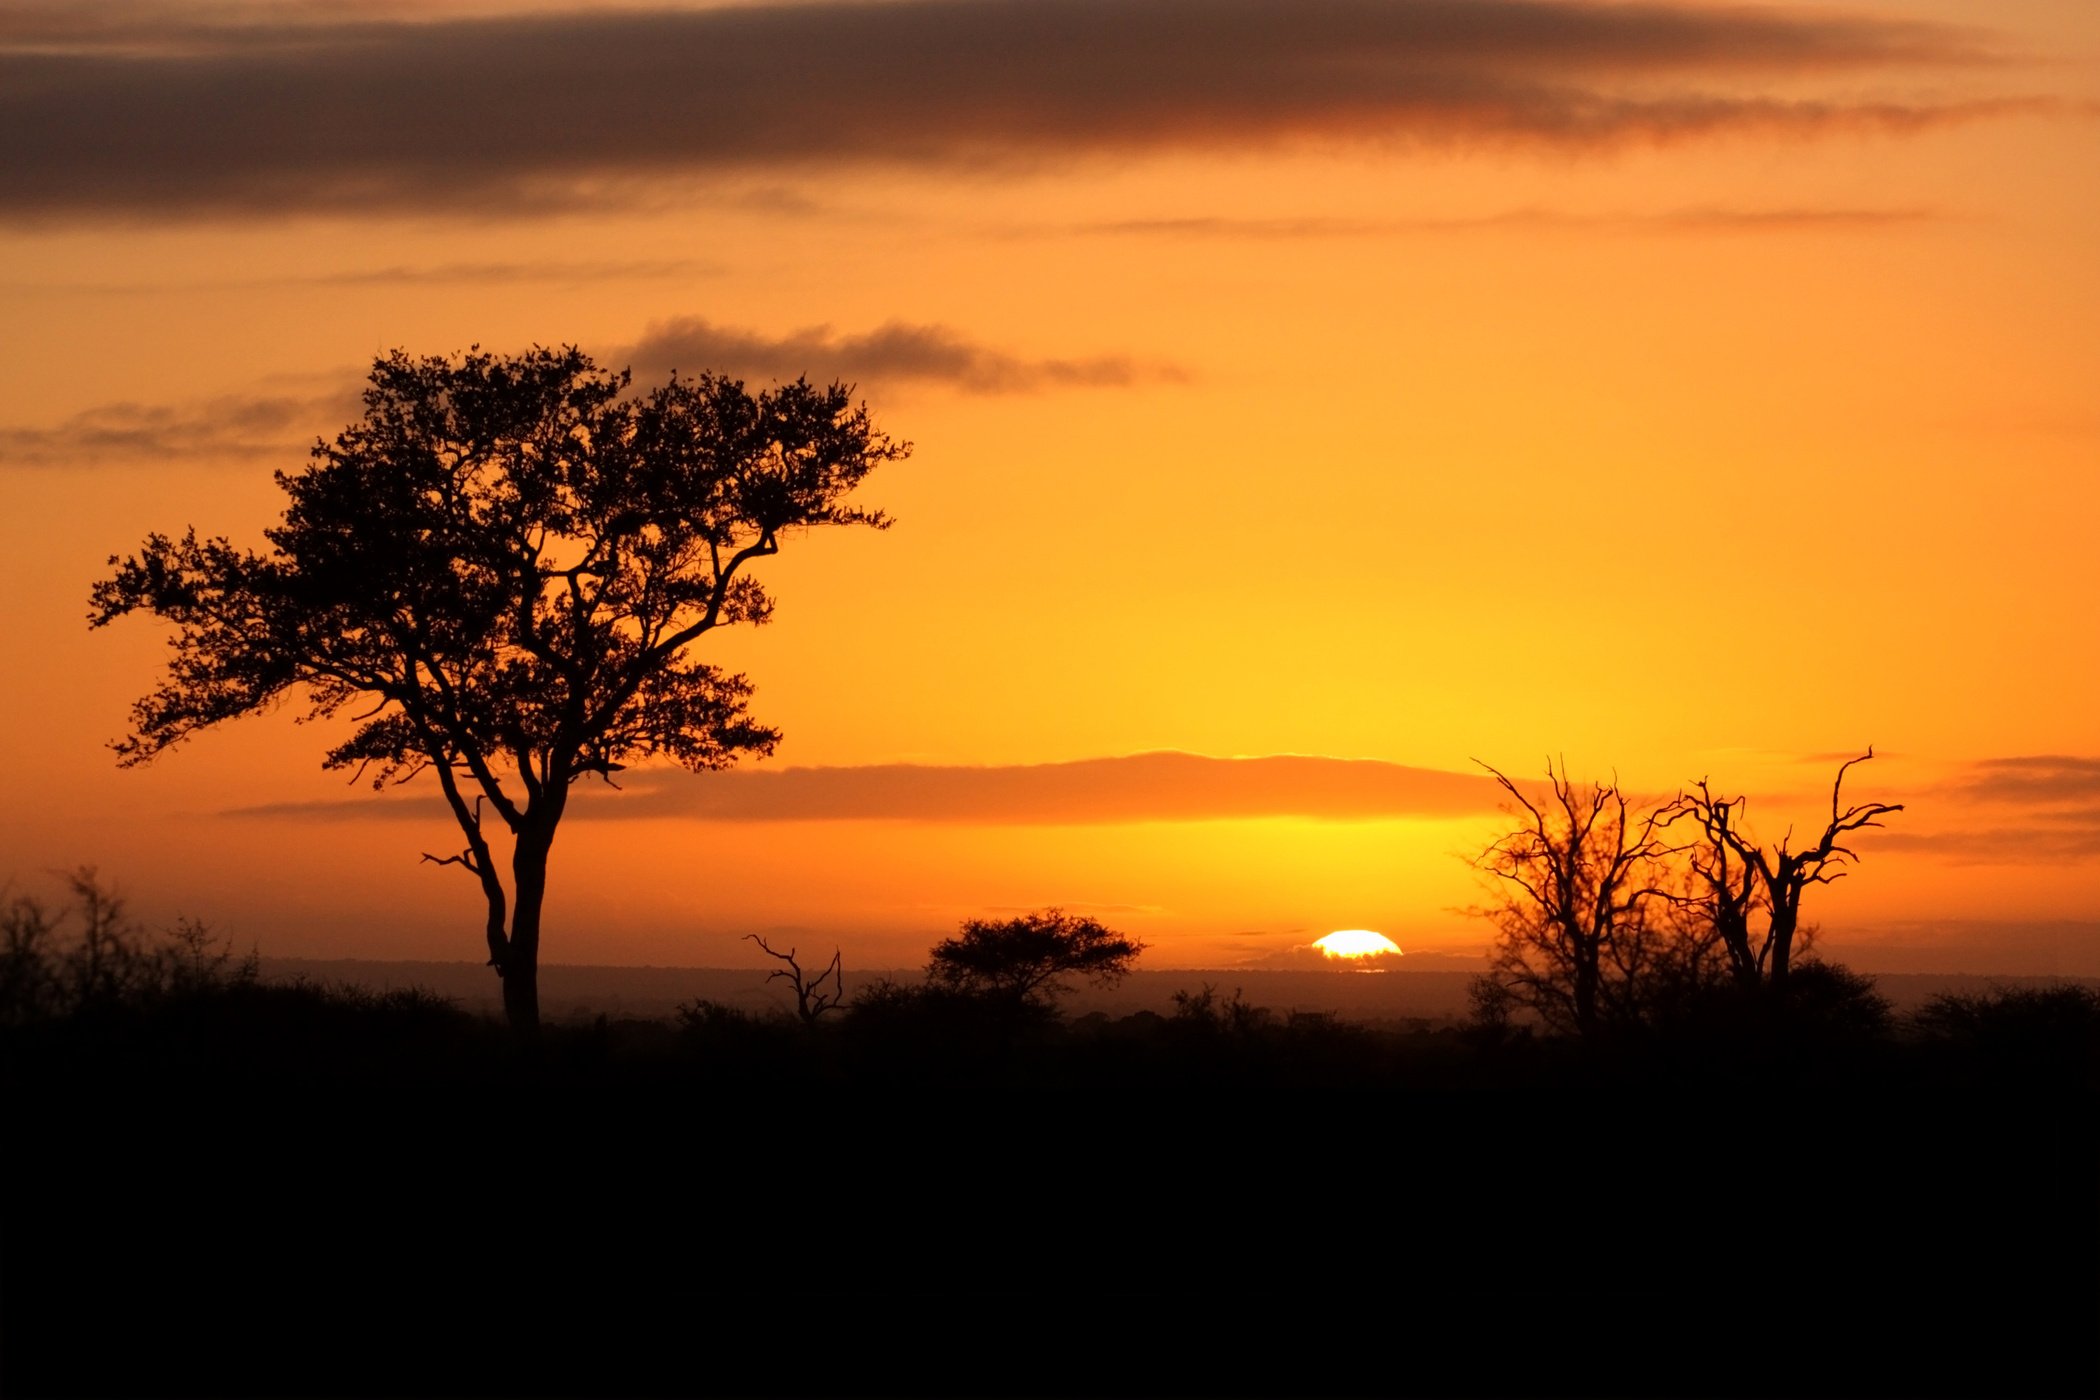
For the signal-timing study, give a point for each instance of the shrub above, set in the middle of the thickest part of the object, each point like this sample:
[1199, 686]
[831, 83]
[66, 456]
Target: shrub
[89, 955]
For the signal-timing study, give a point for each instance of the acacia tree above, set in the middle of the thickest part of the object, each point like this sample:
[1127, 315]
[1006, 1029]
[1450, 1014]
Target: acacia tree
[1031, 959]
[1583, 932]
[504, 568]
[1736, 877]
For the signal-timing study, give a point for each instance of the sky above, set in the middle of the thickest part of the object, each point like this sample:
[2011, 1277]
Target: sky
[1312, 402]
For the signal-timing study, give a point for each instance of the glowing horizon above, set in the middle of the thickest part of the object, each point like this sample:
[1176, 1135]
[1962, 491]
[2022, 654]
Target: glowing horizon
[1302, 415]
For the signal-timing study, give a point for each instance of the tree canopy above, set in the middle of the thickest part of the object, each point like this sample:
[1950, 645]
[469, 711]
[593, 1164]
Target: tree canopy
[1032, 958]
[504, 567]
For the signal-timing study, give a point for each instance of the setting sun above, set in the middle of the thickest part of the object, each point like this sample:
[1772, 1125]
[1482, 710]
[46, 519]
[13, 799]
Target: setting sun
[1356, 943]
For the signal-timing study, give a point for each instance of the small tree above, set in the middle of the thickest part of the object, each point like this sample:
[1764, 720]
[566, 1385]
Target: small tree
[811, 998]
[1031, 959]
[505, 565]
[1583, 937]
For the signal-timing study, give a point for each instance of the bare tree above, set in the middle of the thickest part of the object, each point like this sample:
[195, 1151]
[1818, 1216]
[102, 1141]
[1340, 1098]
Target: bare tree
[1583, 930]
[811, 1000]
[1723, 887]
[1736, 877]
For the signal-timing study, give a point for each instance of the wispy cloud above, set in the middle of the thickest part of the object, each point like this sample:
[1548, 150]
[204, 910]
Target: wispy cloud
[515, 113]
[227, 427]
[1695, 220]
[896, 351]
[2047, 781]
[551, 272]
[2020, 810]
[506, 273]
[238, 427]
[1137, 788]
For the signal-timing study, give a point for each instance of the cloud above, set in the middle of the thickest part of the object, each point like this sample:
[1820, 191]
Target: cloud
[520, 113]
[2034, 780]
[892, 352]
[1138, 788]
[242, 427]
[2010, 845]
[226, 427]
[1725, 220]
[549, 271]
[2023, 810]
[1699, 220]
[1074, 906]
[505, 273]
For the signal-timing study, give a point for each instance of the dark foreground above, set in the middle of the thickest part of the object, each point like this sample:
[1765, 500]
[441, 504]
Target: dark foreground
[277, 1196]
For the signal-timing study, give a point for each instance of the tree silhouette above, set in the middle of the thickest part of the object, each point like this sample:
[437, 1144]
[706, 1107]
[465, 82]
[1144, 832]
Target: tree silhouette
[1030, 959]
[1583, 937]
[811, 999]
[1735, 877]
[504, 567]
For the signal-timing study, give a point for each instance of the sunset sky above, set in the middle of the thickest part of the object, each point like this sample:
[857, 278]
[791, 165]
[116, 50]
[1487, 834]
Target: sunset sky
[1309, 398]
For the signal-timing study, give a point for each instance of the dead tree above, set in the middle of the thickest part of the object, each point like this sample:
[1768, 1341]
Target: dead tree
[1576, 878]
[811, 1000]
[1724, 886]
[1739, 876]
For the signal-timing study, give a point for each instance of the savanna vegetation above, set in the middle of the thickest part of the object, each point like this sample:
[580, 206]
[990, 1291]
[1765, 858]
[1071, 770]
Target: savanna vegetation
[304, 1189]
[1670, 1152]
[85, 990]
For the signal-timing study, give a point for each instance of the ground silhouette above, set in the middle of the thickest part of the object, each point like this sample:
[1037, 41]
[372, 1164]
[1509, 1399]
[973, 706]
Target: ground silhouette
[220, 1186]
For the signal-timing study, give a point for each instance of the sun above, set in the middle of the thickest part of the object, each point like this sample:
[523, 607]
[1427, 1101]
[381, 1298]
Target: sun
[1355, 943]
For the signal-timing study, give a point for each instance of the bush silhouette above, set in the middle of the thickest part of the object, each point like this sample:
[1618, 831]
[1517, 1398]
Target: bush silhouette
[89, 955]
[2037, 1034]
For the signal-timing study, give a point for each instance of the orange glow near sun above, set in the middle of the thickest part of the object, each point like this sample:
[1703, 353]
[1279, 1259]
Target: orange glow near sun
[1355, 943]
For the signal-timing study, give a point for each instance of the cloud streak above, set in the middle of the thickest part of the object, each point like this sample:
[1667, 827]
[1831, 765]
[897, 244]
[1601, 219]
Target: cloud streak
[236, 427]
[519, 113]
[495, 274]
[227, 427]
[2028, 809]
[895, 351]
[1694, 220]
[1153, 787]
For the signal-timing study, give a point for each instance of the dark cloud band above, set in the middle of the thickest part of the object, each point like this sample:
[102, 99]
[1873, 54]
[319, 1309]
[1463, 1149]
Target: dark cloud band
[520, 113]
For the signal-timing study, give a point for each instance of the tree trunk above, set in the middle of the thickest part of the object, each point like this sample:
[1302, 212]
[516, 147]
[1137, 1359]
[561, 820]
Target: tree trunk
[521, 963]
[521, 995]
[1784, 921]
[1586, 979]
[1732, 923]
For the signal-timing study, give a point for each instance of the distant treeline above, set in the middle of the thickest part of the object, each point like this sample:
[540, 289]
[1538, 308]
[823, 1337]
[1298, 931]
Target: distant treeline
[85, 992]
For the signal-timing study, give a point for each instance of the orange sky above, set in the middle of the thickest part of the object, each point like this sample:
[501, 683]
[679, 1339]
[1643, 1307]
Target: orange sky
[1689, 390]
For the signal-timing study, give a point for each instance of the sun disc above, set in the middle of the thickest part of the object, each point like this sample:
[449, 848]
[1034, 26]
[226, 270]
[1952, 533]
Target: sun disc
[1355, 943]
